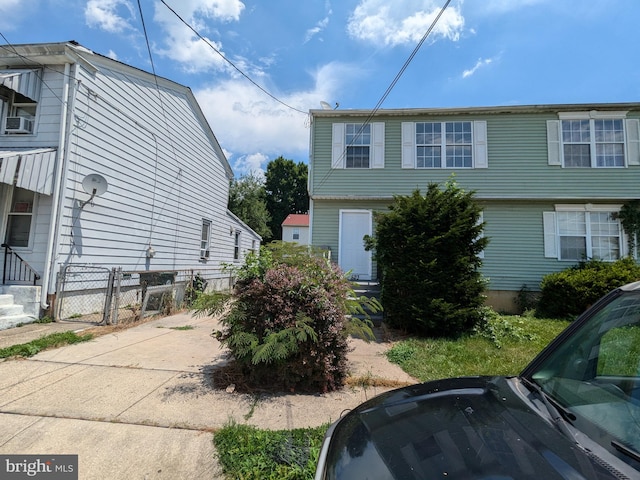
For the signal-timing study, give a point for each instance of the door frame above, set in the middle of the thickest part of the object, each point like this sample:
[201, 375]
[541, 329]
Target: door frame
[369, 213]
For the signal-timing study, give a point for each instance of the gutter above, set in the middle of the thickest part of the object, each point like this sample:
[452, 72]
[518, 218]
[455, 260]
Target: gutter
[56, 197]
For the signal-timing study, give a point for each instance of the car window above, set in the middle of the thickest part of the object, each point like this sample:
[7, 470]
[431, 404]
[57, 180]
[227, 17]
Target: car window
[595, 373]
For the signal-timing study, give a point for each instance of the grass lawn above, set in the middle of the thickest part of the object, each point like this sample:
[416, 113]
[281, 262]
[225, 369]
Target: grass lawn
[504, 347]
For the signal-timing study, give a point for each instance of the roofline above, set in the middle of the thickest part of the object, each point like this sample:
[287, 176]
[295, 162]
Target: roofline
[21, 55]
[551, 108]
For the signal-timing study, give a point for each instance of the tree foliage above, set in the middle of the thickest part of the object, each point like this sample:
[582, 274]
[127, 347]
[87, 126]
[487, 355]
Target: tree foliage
[248, 201]
[427, 249]
[286, 189]
[288, 321]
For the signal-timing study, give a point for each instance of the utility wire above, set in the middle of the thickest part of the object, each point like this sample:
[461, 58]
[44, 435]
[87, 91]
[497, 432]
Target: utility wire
[389, 89]
[230, 62]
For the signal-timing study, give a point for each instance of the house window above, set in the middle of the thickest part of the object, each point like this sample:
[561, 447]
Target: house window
[451, 150]
[19, 92]
[444, 144]
[358, 144]
[584, 233]
[593, 143]
[20, 218]
[205, 239]
[236, 246]
[296, 233]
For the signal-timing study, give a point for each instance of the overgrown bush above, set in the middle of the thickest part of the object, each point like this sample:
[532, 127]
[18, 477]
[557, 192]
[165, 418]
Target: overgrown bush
[427, 249]
[571, 291]
[287, 326]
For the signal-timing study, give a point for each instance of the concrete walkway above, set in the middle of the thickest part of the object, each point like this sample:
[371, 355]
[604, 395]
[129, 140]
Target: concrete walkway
[139, 403]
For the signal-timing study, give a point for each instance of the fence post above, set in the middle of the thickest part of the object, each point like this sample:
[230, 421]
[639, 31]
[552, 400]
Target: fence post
[62, 275]
[116, 305]
[106, 313]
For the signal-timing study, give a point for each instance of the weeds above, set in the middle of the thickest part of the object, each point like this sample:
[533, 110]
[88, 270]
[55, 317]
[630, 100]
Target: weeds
[50, 341]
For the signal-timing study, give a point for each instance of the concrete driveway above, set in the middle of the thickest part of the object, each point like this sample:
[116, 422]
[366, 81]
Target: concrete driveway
[139, 403]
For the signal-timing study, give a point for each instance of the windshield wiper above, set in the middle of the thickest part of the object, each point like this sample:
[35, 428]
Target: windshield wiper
[559, 416]
[629, 452]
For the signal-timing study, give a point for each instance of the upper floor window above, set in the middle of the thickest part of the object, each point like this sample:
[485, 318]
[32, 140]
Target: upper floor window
[593, 143]
[593, 140]
[444, 144]
[19, 93]
[579, 233]
[357, 145]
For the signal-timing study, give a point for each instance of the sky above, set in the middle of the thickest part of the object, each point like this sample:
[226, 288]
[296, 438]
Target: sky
[257, 67]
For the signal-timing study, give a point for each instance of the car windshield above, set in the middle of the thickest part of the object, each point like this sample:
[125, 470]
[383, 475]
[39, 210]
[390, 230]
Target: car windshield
[595, 374]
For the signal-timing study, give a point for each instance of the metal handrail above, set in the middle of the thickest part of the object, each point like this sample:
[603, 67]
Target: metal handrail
[16, 269]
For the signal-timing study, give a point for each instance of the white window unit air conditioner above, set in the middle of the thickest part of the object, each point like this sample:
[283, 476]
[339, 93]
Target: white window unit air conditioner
[18, 125]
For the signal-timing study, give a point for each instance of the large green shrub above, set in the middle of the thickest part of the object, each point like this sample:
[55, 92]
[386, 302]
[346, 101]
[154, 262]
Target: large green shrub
[571, 291]
[427, 249]
[287, 325]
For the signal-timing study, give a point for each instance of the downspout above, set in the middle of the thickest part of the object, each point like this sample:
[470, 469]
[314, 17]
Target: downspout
[56, 197]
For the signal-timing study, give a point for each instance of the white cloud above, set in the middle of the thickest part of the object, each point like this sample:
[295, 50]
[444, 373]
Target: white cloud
[246, 120]
[255, 163]
[10, 12]
[320, 26]
[108, 15]
[479, 64]
[403, 22]
[182, 44]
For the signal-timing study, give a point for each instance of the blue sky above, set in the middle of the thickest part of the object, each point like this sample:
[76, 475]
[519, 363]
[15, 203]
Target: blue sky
[481, 52]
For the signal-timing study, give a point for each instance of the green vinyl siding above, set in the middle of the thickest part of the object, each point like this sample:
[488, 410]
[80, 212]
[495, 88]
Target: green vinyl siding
[517, 156]
[515, 190]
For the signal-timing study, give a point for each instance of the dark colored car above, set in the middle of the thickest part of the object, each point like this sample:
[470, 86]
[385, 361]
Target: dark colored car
[572, 414]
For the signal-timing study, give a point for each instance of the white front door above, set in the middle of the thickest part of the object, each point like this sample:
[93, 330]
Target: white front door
[352, 257]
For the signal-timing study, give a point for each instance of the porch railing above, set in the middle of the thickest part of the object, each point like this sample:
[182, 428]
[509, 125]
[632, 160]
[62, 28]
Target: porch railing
[16, 269]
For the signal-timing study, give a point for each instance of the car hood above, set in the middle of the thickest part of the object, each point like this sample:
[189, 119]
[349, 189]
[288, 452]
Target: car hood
[465, 428]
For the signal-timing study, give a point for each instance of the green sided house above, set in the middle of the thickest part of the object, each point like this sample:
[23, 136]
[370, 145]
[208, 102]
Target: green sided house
[549, 178]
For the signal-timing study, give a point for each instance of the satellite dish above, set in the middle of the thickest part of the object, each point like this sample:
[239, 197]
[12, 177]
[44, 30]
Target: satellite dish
[95, 184]
[326, 106]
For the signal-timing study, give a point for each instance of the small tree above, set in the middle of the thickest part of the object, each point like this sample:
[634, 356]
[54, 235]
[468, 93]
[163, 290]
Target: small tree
[427, 249]
[288, 323]
[248, 201]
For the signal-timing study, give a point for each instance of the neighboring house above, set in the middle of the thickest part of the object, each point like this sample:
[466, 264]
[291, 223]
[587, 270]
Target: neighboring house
[107, 165]
[548, 177]
[295, 228]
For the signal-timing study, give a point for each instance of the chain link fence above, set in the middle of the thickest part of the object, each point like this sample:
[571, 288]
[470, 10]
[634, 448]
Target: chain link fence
[110, 296]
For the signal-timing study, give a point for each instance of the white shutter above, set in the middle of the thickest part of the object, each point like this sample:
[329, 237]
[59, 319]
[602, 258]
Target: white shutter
[377, 144]
[408, 145]
[481, 159]
[337, 146]
[633, 141]
[550, 237]
[554, 145]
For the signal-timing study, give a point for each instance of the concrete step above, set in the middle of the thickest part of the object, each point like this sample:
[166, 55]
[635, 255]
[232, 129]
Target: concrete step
[12, 321]
[11, 310]
[6, 299]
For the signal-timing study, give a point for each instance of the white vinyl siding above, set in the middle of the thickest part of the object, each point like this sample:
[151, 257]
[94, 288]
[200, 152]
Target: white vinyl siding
[356, 145]
[444, 144]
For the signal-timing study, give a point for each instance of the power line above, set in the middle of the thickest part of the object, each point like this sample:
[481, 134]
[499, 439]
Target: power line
[389, 88]
[230, 62]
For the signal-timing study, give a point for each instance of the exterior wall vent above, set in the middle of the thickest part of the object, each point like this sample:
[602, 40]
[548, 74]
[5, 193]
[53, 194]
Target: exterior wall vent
[19, 125]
